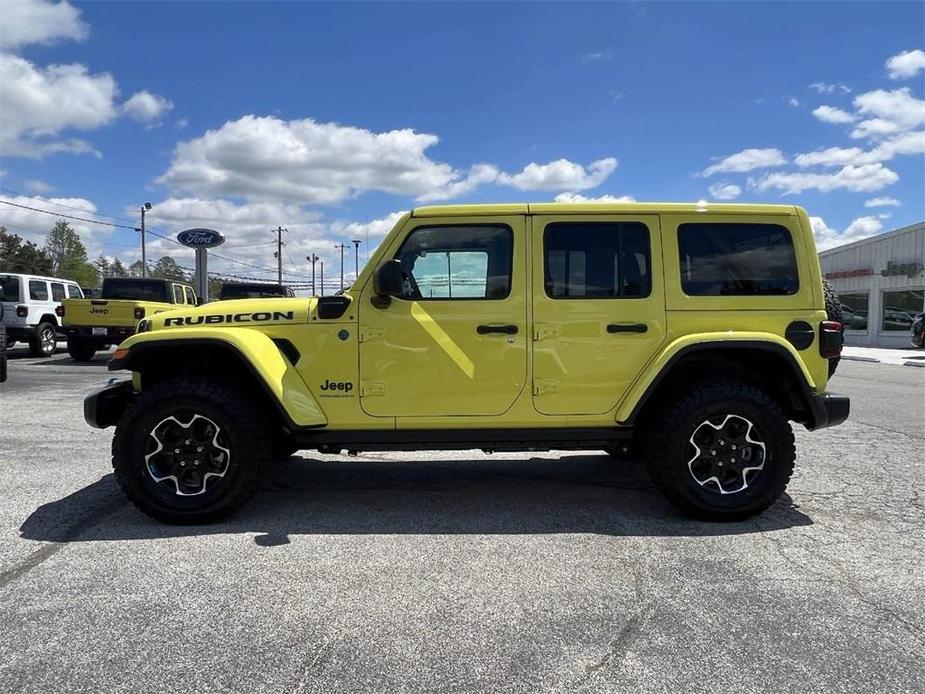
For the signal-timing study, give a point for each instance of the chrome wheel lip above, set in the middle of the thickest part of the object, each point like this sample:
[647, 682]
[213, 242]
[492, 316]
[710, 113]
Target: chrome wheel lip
[48, 340]
[160, 447]
[745, 470]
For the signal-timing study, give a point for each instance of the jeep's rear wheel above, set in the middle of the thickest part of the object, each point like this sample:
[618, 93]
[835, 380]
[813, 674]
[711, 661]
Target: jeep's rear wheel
[44, 340]
[189, 451]
[724, 452]
[80, 349]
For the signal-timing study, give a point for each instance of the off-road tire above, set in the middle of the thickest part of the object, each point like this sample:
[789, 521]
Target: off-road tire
[241, 424]
[833, 312]
[282, 448]
[39, 345]
[80, 350]
[669, 451]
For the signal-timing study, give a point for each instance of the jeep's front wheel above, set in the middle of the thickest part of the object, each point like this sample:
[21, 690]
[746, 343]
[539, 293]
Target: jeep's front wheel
[189, 451]
[724, 452]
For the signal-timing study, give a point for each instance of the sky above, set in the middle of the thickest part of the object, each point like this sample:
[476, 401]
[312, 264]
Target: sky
[333, 119]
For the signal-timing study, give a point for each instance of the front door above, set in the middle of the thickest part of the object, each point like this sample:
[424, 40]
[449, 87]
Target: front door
[455, 342]
[598, 308]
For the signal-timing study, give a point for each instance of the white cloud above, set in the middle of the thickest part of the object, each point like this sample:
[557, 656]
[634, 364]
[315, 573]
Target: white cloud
[34, 226]
[146, 107]
[902, 144]
[38, 21]
[827, 88]
[305, 161]
[579, 198]
[725, 191]
[906, 64]
[561, 174]
[890, 112]
[595, 56]
[478, 175]
[884, 201]
[376, 228]
[37, 186]
[39, 103]
[830, 114]
[181, 123]
[833, 156]
[859, 229]
[747, 160]
[793, 101]
[865, 178]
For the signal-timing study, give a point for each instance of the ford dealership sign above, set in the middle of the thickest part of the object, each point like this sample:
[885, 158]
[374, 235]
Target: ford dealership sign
[200, 238]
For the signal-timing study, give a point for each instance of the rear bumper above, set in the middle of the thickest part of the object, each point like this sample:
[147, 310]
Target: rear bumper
[828, 410]
[103, 407]
[114, 334]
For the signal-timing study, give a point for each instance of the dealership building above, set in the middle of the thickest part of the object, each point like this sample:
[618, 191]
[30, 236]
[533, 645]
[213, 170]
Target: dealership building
[881, 284]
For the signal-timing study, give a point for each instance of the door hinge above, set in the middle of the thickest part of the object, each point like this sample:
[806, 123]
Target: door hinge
[369, 389]
[545, 387]
[370, 334]
[543, 331]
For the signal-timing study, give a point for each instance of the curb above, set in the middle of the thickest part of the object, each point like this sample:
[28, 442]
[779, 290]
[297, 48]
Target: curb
[872, 360]
[920, 364]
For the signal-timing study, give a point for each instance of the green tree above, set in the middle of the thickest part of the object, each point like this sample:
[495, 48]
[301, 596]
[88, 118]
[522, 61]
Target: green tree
[167, 269]
[117, 269]
[17, 255]
[69, 256]
[103, 266]
[136, 269]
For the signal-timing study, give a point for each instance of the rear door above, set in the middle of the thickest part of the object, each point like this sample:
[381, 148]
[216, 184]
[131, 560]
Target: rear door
[598, 308]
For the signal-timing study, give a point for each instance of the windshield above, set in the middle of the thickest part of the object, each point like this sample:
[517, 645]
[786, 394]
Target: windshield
[9, 288]
[252, 291]
[141, 290]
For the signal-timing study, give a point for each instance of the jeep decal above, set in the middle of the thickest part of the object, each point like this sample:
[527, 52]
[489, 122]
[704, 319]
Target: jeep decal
[213, 318]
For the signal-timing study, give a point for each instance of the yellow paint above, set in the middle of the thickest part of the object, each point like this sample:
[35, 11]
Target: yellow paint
[441, 338]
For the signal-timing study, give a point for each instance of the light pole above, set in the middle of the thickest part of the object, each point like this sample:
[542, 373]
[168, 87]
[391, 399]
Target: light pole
[321, 293]
[356, 259]
[144, 257]
[341, 246]
[312, 259]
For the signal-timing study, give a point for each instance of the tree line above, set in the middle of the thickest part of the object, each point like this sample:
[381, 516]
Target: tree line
[65, 256]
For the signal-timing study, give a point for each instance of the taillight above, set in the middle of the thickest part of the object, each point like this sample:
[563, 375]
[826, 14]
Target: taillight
[59, 311]
[22, 311]
[831, 338]
[139, 313]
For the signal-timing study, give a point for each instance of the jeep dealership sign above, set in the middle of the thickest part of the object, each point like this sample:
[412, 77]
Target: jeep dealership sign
[200, 238]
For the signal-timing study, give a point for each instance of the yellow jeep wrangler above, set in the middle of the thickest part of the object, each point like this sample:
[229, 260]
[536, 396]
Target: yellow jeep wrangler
[690, 334]
[92, 324]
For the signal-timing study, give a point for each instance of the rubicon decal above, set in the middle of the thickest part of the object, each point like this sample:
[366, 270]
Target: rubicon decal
[213, 318]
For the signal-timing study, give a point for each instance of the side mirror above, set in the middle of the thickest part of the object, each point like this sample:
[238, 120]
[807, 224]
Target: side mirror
[387, 282]
[388, 279]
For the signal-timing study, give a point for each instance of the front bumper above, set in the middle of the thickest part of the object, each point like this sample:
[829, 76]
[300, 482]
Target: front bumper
[104, 406]
[828, 410]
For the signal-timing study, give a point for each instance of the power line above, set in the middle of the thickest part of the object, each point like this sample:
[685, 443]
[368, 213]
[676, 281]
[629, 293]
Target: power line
[61, 204]
[67, 216]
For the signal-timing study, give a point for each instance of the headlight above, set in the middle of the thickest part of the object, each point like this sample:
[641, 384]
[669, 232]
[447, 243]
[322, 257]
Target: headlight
[144, 326]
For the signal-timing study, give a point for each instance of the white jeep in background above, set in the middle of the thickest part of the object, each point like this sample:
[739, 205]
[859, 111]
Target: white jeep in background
[31, 309]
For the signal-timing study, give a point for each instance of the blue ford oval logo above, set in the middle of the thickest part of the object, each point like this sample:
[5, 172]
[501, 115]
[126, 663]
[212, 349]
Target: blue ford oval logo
[200, 238]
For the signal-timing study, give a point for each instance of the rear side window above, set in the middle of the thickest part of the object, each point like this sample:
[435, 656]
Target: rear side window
[9, 288]
[190, 297]
[73, 292]
[38, 290]
[177, 294]
[134, 289]
[597, 260]
[729, 259]
[57, 291]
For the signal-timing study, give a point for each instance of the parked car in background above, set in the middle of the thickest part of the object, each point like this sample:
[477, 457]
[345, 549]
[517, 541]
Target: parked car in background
[31, 307]
[253, 290]
[918, 330]
[93, 324]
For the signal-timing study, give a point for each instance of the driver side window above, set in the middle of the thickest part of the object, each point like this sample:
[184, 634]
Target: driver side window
[457, 262]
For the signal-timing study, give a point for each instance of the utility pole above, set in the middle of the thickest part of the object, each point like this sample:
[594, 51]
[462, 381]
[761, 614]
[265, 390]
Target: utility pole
[341, 246]
[321, 293]
[279, 254]
[312, 259]
[356, 258]
[144, 257]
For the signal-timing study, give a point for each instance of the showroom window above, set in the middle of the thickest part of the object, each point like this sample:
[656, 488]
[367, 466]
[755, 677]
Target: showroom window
[900, 309]
[854, 309]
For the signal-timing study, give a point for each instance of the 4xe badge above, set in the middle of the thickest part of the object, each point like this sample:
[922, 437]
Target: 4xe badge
[336, 389]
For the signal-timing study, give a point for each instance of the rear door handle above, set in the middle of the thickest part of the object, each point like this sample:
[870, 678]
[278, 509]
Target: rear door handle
[503, 329]
[627, 328]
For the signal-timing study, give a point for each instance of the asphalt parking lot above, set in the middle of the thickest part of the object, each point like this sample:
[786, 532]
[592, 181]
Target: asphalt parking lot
[462, 572]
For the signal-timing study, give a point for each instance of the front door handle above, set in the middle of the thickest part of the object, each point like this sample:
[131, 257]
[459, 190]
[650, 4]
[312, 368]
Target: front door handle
[627, 328]
[503, 329]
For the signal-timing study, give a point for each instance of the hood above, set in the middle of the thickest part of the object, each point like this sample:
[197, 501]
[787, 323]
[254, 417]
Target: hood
[240, 313]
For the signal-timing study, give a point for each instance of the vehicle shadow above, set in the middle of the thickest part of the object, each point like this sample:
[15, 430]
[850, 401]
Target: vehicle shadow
[578, 493]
